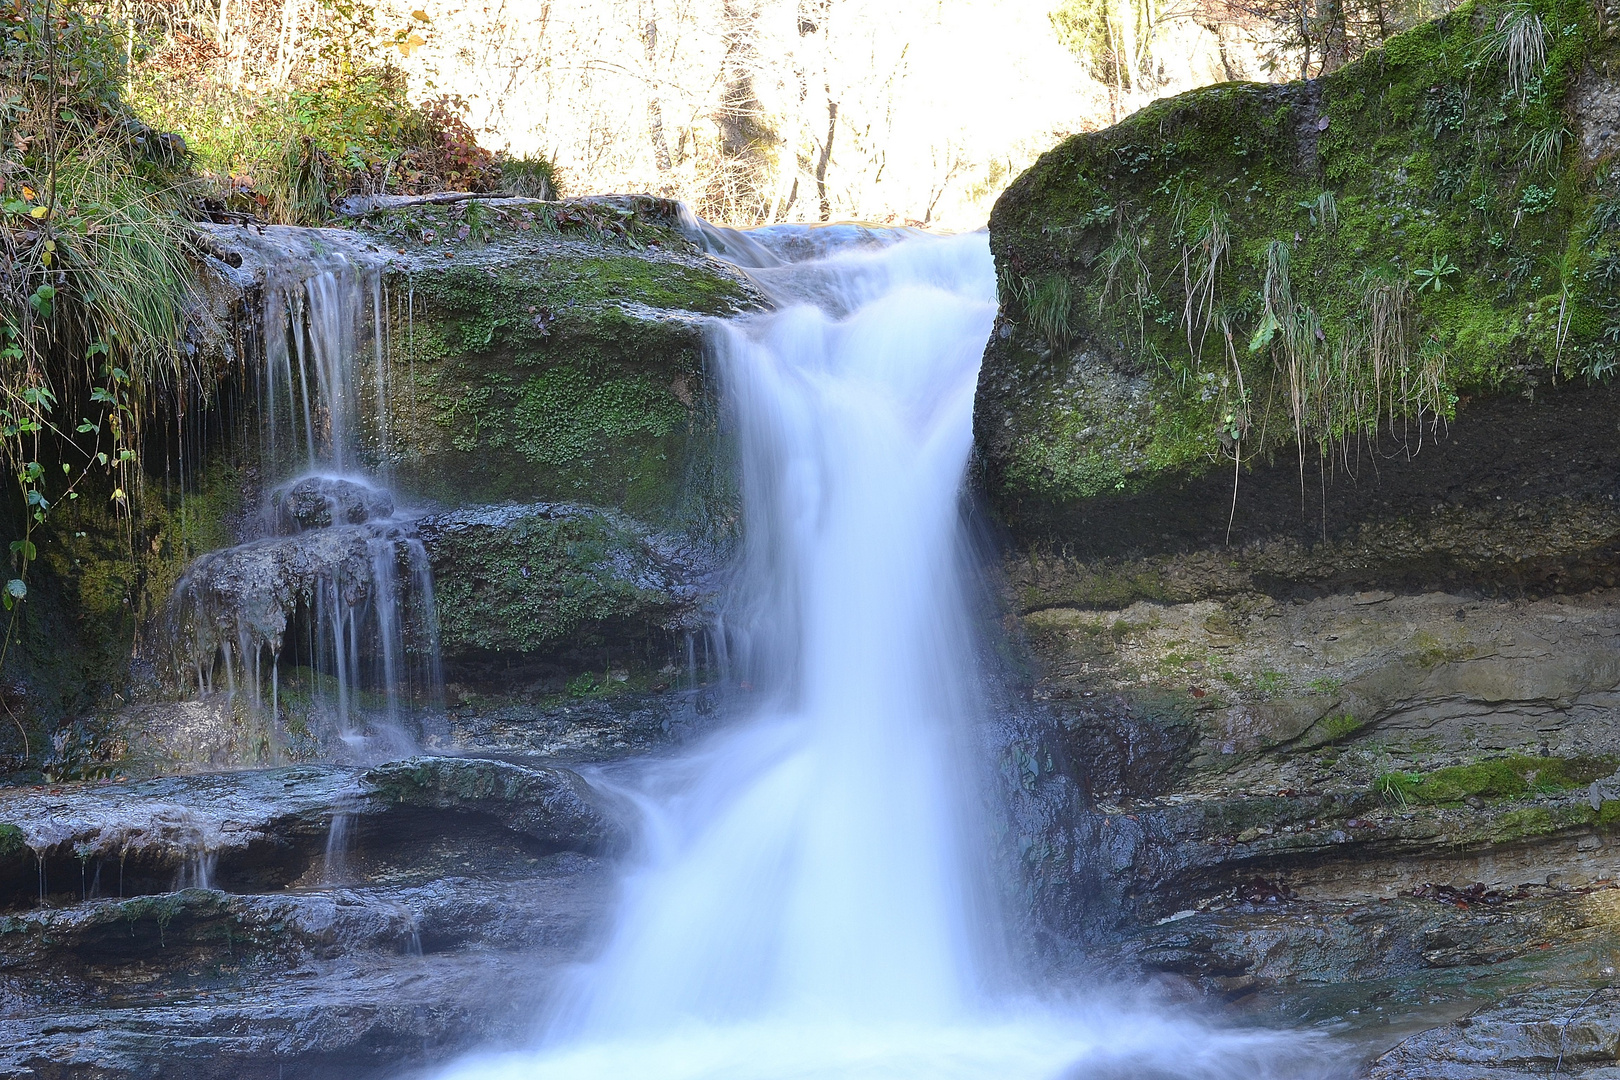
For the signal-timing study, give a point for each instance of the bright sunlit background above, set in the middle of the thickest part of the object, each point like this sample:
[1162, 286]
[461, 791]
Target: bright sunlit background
[750, 110]
[885, 110]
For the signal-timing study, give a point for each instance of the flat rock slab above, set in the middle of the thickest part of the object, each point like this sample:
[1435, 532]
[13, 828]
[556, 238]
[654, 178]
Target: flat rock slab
[1567, 1031]
[338, 1020]
[258, 830]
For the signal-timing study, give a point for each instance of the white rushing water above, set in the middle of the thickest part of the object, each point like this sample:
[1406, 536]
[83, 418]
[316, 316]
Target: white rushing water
[813, 896]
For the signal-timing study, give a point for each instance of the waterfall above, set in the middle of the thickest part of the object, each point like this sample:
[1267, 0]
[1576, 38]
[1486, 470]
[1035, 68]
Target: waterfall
[812, 897]
[331, 606]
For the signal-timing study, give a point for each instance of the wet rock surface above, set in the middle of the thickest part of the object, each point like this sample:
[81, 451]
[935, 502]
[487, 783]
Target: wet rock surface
[1573, 1032]
[257, 830]
[311, 922]
[327, 1021]
[316, 502]
[541, 593]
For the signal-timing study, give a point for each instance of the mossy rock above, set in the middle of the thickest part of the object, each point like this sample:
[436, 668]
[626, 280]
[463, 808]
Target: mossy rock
[1417, 175]
[554, 808]
[545, 579]
[550, 366]
[99, 576]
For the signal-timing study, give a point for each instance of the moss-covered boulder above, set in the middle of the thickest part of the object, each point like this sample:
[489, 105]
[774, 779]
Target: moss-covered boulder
[553, 807]
[1346, 264]
[1298, 414]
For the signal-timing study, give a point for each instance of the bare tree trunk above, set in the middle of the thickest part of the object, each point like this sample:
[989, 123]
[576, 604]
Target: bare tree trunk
[1305, 38]
[287, 44]
[1214, 30]
[655, 111]
[826, 156]
[1335, 36]
[747, 141]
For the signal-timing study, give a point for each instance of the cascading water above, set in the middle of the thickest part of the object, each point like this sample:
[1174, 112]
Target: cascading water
[814, 894]
[337, 589]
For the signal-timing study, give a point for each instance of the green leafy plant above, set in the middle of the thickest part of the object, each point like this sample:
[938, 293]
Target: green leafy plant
[96, 247]
[1535, 199]
[1433, 276]
[1322, 210]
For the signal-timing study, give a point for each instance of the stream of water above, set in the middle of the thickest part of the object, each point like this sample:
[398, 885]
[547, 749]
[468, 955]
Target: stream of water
[813, 896]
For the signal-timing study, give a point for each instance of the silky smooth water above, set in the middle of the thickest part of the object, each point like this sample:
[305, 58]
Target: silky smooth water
[345, 601]
[813, 896]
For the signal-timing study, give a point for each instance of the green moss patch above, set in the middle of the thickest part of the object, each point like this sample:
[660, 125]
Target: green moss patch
[529, 378]
[1502, 778]
[533, 580]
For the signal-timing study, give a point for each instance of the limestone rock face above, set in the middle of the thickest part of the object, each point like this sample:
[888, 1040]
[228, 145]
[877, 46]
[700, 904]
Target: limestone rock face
[1570, 1032]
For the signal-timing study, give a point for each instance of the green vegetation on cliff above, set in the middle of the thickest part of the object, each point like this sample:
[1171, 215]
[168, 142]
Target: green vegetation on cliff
[1327, 262]
[1501, 778]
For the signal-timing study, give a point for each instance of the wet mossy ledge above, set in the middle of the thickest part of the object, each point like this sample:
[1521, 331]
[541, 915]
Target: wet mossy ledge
[539, 351]
[562, 594]
[1298, 277]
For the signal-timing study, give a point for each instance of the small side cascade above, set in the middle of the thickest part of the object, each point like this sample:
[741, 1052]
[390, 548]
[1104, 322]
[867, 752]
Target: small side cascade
[323, 625]
[197, 872]
[339, 837]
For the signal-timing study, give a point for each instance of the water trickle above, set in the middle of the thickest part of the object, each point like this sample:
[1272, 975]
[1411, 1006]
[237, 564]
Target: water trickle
[197, 871]
[334, 599]
[813, 895]
[335, 863]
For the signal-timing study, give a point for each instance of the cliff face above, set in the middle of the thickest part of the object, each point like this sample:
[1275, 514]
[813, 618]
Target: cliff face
[1297, 425]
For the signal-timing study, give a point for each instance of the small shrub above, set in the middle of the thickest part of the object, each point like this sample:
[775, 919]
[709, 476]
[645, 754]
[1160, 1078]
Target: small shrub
[1337, 727]
[1268, 682]
[1047, 303]
[1520, 43]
